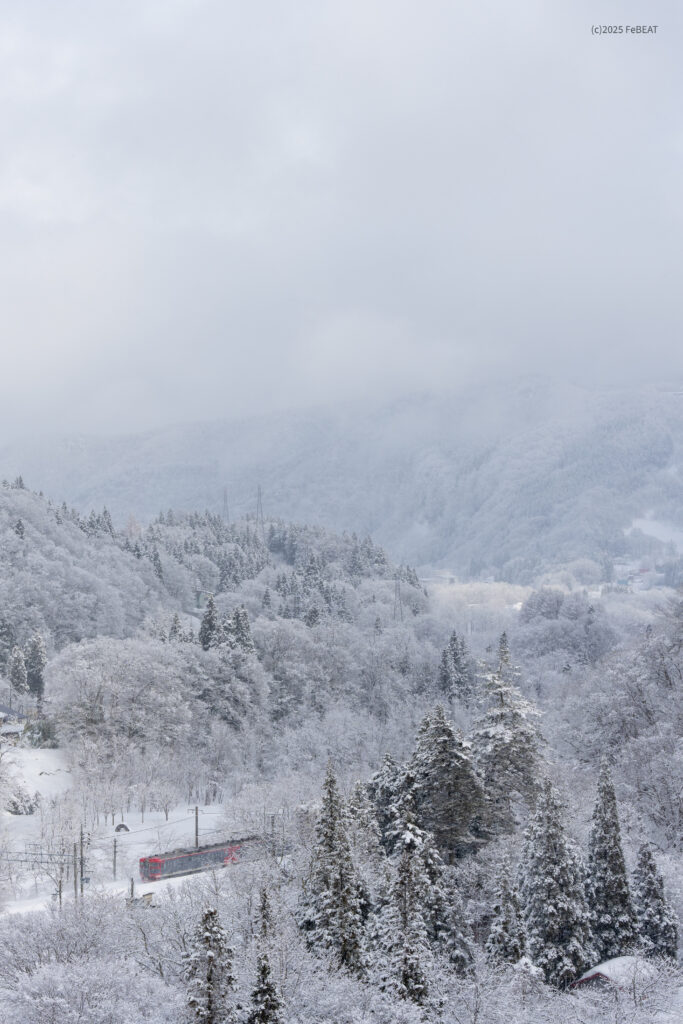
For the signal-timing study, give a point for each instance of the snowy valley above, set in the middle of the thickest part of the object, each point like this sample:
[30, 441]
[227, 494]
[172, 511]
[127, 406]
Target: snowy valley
[415, 773]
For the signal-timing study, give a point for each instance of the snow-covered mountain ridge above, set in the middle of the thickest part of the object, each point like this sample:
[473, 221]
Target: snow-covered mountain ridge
[504, 481]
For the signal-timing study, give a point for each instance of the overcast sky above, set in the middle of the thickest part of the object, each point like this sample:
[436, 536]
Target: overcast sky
[211, 207]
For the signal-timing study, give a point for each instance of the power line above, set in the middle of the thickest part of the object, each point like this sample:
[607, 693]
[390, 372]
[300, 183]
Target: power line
[152, 828]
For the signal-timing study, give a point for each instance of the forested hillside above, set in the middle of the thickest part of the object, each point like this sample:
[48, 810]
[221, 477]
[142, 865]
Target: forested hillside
[67, 576]
[504, 481]
[419, 763]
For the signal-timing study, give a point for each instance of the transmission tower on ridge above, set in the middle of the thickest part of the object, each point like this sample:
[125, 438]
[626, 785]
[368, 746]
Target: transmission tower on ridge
[398, 601]
[260, 524]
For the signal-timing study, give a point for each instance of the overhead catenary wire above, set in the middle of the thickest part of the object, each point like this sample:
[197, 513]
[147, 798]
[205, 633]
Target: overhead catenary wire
[47, 860]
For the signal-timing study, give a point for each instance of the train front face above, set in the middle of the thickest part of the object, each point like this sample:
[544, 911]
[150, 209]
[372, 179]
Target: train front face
[151, 868]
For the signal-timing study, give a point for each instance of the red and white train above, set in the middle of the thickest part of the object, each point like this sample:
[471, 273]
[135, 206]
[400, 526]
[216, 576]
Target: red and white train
[187, 862]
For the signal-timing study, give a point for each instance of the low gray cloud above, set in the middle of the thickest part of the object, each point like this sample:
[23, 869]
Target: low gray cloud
[212, 208]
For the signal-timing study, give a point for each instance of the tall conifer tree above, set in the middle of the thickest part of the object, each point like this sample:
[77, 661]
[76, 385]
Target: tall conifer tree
[36, 660]
[209, 627]
[503, 653]
[656, 919]
[401, 935]
[368, 852]
[175, 632]
[330, 908]
[7, 642]
[506, 744]
[612, 917]
[208, 973]
[506, 940]
[242, 629]
[266, 1005]
[455, 670]
[17, 671]
[156, 563]
[552, 893]
[448, 793]
[385, 788]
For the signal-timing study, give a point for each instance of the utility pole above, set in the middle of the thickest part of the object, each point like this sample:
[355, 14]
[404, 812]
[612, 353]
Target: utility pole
[114, 860]
[75, 871]
[196, 828]
[59, 890]
[226, 515]
[82, 865]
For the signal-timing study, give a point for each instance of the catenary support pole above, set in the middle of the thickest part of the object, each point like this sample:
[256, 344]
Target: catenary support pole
[196, 828]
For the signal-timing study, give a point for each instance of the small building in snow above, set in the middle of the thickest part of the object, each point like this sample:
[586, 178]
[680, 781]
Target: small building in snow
[11, 733]
[623, 972]
[8, 714]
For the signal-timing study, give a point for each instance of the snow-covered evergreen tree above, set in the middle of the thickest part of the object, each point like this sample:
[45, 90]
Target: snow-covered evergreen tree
[17, 671]
[446, 670]
[242, 629]
[156, 562]
[330, 907]
[656, 919]
[265, 914]
[175, 632]
[442, 907]
[367, 850]
[36, 660]
[107, 522]
[506, 941]
[552, 894]
[208, 973]
[503, 653]
[266, 1005]
[449, 799]
[385, 789]
[209, 628]
[506, 744]
[312, 616]
[455, 670]
[7, 642]
[612, 917]
[402, 956]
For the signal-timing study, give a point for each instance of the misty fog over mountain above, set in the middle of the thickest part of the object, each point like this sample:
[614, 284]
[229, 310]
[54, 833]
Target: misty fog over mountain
[507, 481]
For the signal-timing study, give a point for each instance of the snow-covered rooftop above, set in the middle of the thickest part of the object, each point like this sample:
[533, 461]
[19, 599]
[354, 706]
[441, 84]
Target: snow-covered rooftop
[622, 971]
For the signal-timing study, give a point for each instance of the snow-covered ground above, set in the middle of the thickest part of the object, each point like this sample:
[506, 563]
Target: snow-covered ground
[46, 772]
